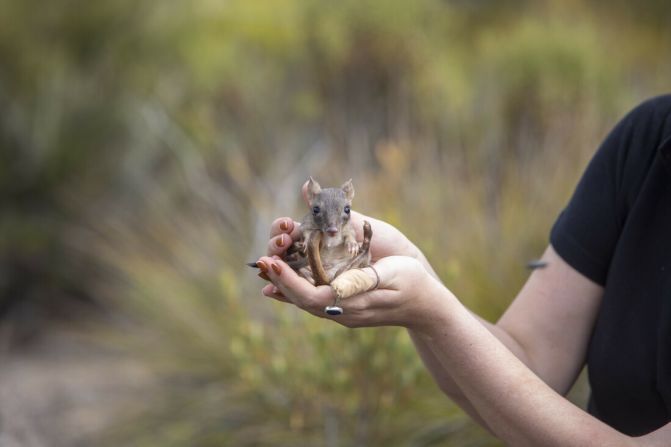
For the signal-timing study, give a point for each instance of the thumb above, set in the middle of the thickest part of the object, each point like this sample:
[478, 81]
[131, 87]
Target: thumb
[392, 269]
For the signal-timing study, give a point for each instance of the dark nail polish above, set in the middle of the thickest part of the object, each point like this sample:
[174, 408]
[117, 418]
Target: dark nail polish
[279, 241]
[284, 226]
[276, 268]
[262, 266]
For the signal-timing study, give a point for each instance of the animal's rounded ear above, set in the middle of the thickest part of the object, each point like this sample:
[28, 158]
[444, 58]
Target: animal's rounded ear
[348, 188]
[313, 188]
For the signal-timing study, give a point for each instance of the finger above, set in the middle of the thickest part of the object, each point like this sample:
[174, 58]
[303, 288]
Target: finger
[277, 245]
[389, 269]
[272, 291]
[285, 225]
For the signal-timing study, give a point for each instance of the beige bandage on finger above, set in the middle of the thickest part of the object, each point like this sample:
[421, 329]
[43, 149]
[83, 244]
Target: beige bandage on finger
[355, 281]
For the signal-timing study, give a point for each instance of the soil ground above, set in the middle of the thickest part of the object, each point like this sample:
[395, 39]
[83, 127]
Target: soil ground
[62, 389]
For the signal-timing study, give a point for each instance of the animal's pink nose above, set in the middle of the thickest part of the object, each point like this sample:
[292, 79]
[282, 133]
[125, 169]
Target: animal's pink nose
[332, 231]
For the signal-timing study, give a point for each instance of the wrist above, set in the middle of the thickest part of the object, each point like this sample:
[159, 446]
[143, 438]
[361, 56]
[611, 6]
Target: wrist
[435, 306]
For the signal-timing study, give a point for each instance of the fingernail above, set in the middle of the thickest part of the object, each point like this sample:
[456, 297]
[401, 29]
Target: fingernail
[280, 240]
[264, 276]
[284, 226]
[262, 266]
[276, 268]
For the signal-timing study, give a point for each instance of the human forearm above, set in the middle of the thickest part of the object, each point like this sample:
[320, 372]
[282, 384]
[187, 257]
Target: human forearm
[441, 374]
[514, 403]
[442, 377]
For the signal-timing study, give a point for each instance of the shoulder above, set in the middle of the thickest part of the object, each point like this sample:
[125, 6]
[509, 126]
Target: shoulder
[631, 147]
[649, 123]
[660, 105]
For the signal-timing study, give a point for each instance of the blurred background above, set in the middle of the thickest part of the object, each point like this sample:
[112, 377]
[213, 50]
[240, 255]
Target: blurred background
[145, 147]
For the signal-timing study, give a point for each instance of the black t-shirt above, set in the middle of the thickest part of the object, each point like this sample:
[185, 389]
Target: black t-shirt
[616, 230]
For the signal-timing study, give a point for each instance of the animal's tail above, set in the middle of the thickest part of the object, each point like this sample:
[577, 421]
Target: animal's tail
[315, 259]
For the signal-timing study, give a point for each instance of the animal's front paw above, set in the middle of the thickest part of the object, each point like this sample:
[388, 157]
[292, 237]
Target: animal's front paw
[301, 247]
[352, 248]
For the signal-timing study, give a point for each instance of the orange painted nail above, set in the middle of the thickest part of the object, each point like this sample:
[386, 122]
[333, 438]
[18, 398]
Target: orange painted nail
[284, 226]
[262, 266]
[264, 276]
[280, 240]
[276, 268]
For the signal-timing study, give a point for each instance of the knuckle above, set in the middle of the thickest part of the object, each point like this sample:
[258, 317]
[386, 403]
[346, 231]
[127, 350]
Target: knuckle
[413, 265]
[359, 304]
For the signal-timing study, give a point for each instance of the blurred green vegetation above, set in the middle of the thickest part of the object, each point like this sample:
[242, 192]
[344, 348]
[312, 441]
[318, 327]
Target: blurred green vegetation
[146, 146]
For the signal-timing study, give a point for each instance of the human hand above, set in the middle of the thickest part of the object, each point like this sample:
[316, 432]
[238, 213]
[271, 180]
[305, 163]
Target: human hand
[407, 295]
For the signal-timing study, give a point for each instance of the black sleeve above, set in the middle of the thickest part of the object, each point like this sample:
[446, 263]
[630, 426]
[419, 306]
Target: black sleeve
[586, 232]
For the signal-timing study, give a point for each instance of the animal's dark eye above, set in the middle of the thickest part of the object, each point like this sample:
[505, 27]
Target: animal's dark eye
[315, 210]
[347, 210]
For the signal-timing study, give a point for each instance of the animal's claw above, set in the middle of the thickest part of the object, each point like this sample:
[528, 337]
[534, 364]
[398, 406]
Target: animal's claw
[301, 247]
[352, 248]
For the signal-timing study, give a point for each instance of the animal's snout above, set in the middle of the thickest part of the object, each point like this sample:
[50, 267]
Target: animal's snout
[332, 231]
